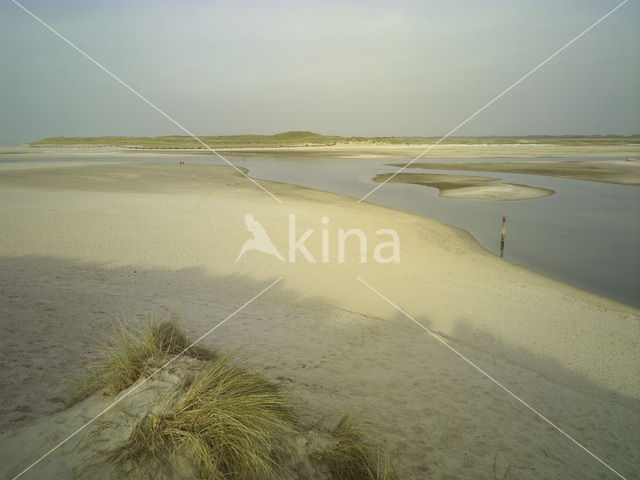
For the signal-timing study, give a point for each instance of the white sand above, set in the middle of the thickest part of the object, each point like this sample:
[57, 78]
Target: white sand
[82, 244]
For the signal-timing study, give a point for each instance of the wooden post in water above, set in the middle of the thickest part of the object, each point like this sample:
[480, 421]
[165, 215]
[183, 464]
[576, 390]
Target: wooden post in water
[502, 232]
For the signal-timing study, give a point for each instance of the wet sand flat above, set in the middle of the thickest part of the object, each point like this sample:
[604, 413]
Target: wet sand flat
[625, 172]
[468, 186]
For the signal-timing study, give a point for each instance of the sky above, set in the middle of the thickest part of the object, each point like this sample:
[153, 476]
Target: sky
[370, 68]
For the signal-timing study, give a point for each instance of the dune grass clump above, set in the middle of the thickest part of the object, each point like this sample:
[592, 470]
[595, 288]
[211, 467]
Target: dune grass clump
[348, 457]
[131, 351]
[229, 424]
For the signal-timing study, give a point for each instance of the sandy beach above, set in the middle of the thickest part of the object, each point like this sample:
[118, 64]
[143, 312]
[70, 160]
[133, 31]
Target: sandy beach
[84, 243]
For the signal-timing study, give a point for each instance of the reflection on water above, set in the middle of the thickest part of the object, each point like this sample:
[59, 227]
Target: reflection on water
[587, 234]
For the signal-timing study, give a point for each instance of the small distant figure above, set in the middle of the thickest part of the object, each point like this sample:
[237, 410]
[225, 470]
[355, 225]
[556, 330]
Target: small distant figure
[260, 241]
[181, 162]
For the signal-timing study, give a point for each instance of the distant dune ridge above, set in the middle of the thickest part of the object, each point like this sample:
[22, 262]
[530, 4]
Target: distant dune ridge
[305, 143]
[305, 138]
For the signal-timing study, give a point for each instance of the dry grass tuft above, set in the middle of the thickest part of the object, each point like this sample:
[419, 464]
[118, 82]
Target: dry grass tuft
[130, 352]
[348, 456]
[229, 424]
[225, 423]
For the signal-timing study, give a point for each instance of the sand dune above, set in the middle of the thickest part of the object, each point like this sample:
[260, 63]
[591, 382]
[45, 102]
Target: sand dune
[81, 244]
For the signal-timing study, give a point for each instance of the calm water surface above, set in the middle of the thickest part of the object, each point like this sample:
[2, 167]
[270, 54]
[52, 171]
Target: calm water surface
[587, 234]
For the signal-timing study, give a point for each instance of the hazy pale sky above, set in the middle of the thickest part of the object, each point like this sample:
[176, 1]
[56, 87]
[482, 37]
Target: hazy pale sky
[403, 68]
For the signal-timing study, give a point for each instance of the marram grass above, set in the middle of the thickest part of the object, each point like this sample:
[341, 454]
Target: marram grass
[348, 455]
[226, 423]
[229, 424]
[130, 352]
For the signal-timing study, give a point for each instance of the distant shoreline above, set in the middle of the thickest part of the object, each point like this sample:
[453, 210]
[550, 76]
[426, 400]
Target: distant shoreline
[310, 143]
[301, 138]
[350, 150]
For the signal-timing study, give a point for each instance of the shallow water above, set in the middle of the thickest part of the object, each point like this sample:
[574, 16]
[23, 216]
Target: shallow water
[587, 234]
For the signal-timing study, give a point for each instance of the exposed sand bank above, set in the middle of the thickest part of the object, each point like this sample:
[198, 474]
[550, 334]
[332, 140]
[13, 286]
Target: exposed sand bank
[359, 150]
[81, 244]
[626, 172]
[468, 186]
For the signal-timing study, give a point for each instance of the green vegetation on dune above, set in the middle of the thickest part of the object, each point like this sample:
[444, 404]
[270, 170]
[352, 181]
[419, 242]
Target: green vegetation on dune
[279, 140]
[304, 138]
